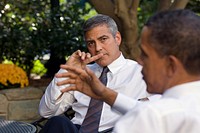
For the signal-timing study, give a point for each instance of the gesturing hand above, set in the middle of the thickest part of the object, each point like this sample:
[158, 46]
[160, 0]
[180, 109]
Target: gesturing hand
[81, 80]
[81, 59]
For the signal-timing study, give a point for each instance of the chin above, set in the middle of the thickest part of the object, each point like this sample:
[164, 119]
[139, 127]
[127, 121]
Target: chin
[102, 62]
[151, 90]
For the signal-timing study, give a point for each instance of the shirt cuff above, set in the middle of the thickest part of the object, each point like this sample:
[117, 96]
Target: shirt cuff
[124, 103]
[154, 97]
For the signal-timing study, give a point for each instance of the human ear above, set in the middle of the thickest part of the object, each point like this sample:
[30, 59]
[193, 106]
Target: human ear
[118, 38]
[172, 65]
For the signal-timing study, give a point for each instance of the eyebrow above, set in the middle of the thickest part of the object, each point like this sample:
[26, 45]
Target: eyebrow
[102, 36]
[97, 38]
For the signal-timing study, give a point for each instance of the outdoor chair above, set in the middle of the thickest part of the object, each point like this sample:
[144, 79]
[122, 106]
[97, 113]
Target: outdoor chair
[39, 123]
[12, 126]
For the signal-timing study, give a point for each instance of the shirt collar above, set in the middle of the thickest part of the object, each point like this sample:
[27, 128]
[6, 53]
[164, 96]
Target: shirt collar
[117, 64]
[114, 67]
[183, 89]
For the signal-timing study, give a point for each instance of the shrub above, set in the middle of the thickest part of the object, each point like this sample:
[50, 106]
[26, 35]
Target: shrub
[38, 68]
[12, 76]
[31, 29]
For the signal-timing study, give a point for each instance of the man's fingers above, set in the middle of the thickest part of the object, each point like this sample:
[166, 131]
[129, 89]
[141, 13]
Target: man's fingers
[93, 58]
[67, 81]
[85, 58]
[78, 52]
[65, 75]
[83, 54]
[90, 72]
[72, 68]
[70, 88]
[88, 55]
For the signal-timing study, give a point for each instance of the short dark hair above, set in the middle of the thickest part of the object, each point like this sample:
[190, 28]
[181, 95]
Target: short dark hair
[177, 33]
[98, 20]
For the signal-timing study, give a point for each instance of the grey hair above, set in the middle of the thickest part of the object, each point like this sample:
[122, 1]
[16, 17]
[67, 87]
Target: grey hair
[98, 20]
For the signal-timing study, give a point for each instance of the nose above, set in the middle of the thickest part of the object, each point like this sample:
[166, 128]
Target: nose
[98, 47]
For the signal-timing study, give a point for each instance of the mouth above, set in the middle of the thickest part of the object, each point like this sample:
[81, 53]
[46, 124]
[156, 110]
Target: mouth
[102, 58]
[103, 55]
[100, 53]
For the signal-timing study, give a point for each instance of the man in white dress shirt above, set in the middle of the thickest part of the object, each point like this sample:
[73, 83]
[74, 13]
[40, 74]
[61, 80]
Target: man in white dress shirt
[170, 57]
[102, 39]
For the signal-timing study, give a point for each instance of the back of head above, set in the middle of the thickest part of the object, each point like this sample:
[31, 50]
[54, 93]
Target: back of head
[177, 33]
[99, 20]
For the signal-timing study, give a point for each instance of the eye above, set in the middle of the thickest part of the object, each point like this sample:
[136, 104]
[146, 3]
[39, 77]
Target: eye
[90, 43]
[103, 39]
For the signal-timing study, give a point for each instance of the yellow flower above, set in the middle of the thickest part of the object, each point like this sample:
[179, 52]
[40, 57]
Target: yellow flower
[12, 76]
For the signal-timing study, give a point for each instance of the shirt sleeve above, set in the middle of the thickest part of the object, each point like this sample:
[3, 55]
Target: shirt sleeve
[120, 106]
[141, 119]
[123, 103]
[51, 103]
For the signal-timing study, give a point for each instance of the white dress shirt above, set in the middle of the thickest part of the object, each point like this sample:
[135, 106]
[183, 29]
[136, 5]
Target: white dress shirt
[178, 111]
[124, 77]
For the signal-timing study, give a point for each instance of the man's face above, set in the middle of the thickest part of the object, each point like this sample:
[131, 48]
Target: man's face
[154, 67]
[100, 40]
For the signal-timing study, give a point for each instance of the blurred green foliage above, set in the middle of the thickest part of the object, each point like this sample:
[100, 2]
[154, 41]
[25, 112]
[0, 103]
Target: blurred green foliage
[194, 5]
[145, 10]
[30, 29]
[38, 68]
[148, 7]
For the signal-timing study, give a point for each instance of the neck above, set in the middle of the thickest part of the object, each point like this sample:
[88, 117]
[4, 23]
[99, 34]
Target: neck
[183, 79]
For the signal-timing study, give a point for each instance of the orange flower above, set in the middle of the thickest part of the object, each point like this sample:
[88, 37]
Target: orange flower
[12, 75]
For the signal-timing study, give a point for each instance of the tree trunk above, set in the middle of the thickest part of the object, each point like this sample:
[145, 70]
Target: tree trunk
[164, 5]
[106, 7]
[124, 12]
[179, 4]
[168, 4]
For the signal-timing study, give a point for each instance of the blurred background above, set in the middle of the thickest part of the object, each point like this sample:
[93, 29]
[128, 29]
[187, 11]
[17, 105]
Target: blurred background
[36, 36]
[39, 35]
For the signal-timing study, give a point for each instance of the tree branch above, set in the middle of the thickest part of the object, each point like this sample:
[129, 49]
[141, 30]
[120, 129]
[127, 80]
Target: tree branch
[179, 4]
[106, 7]
[126, 10]
[164, 5]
